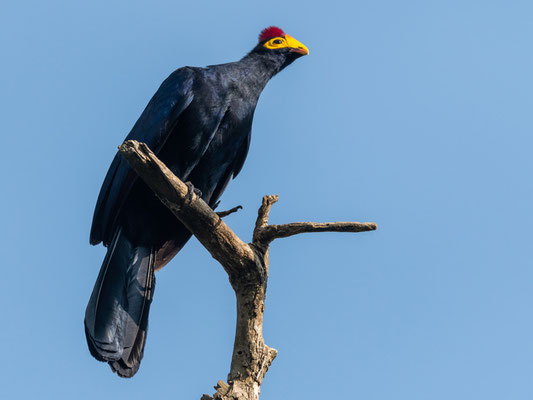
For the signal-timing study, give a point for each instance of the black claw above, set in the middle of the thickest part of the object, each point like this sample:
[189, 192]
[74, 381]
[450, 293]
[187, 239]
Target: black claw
[192, 191]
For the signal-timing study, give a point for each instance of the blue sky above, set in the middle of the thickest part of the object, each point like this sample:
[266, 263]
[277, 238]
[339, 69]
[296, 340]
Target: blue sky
[415, 115]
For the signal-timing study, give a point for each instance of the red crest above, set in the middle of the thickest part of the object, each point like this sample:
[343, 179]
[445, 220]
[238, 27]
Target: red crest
[270, 32]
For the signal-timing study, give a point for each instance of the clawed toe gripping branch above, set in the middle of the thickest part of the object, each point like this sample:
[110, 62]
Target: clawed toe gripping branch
[245, 263]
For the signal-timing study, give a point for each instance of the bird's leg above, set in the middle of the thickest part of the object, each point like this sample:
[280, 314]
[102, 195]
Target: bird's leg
[222, 214]
[192, 191]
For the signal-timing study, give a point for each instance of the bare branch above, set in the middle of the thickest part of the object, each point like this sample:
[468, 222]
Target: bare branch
[264, 234]
[191, 210]
[264, 210]
[271, 232]
[246, 265]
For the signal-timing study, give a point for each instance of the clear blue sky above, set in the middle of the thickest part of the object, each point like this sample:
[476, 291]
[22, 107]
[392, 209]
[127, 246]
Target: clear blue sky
[413, 114]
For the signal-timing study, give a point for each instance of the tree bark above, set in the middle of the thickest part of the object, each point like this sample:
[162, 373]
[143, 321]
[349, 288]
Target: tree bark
[245, 263]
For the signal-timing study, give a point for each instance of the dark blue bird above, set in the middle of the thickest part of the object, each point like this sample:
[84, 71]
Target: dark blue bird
[199, 124]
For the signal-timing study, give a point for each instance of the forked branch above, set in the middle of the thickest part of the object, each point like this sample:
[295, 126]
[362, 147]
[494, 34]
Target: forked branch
[245, 264]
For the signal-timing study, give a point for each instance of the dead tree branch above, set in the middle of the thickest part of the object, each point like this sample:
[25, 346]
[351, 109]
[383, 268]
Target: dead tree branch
[246, 264]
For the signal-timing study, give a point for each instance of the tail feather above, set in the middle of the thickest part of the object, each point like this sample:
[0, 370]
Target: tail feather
[135, 338]
[116, 319]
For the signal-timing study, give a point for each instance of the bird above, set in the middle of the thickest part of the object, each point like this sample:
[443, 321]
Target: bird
[199, 124]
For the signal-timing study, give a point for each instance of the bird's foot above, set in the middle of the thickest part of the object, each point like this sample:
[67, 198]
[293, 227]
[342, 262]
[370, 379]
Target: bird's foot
[192, 191]
[223, 214]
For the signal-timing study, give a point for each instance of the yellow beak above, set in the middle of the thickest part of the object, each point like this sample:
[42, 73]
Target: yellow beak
[296, 46]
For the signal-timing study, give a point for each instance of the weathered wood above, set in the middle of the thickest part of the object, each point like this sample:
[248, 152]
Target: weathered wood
[226, 247]
[245, 263]
[268, 233]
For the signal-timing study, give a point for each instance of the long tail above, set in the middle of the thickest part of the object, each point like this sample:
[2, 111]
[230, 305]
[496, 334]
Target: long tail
[116, 319]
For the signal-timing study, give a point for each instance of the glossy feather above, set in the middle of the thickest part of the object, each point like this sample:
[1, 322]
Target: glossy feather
[199, 124]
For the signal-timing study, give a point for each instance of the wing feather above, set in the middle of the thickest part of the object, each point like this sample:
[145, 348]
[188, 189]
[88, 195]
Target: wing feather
[153, 128]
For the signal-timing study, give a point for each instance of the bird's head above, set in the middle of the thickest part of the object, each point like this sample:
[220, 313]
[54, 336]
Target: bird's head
[274, 39]
[277, 45]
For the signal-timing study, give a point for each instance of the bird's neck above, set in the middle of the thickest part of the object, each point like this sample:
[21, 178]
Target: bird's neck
[260, 67]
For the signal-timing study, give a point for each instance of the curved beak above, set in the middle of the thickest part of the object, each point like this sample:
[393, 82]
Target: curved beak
[296, 46]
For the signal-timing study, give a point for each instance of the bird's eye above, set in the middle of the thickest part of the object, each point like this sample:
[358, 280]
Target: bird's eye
[277, 41]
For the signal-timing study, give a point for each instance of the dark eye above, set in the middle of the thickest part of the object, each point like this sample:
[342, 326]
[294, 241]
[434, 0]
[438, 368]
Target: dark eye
[277, 41]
